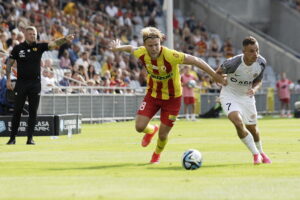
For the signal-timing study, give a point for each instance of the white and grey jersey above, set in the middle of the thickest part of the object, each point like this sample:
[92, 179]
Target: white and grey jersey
[240, 76]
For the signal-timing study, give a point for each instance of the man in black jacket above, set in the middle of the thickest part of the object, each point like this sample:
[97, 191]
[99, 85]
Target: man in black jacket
[28, 56]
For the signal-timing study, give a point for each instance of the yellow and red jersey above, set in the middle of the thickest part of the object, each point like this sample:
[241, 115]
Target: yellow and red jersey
[163, 79]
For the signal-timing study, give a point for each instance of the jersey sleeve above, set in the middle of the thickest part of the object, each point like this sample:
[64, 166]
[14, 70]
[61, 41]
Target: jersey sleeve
[262, 62]
[176, 56]
[139, 51]
[230, 65]
[14, 53]
[260, 76]
[44, 46]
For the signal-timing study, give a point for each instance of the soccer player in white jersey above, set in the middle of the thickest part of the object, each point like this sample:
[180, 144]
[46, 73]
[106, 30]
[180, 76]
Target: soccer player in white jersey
[244, 74]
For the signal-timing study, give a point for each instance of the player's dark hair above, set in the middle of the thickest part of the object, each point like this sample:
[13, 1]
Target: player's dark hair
[249, 41]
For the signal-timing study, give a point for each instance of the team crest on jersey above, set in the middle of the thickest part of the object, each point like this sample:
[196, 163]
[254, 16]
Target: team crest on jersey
[255, 75]
[163, 68]
[22, 54]
[34, 49]
[176, 55]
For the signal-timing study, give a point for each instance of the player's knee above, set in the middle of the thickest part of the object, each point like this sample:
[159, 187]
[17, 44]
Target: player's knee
[139, 128]
[238, 124]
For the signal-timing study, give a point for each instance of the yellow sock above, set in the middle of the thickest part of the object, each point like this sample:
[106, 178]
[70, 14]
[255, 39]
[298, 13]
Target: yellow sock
[160, 145]
[149, 129]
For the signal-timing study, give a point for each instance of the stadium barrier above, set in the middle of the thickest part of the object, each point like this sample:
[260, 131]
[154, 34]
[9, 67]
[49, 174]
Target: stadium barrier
[123, 106]
[46, 125]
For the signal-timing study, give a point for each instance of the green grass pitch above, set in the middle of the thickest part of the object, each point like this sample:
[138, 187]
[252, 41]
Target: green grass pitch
[106, 161]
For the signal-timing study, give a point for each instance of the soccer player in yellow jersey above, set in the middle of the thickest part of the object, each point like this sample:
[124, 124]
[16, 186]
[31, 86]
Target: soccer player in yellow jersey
[163, 85]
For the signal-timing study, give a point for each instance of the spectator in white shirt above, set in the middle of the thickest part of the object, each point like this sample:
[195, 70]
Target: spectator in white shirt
[111, 9]
[83, 60]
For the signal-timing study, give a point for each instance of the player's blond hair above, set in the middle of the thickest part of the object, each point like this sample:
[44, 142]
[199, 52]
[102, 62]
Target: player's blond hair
[32, 28]
[151, 32]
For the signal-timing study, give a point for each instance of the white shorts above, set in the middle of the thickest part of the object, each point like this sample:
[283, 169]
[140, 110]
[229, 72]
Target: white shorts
[246, 108]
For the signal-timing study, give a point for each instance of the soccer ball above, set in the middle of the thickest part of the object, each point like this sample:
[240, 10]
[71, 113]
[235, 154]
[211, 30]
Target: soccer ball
[192, 84]
[191, 159]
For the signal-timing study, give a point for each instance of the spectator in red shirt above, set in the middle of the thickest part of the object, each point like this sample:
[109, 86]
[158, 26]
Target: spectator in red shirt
[283, 90]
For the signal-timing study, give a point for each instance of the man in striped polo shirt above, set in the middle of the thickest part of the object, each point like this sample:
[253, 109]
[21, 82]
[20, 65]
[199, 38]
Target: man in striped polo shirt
[164, 89]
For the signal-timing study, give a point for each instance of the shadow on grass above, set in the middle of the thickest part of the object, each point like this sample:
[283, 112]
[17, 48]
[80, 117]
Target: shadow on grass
[148, 166]
[95, 167]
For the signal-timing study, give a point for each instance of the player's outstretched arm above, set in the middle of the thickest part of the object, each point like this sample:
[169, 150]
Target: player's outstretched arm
[192, 60]
[115, 45]
[60, 41]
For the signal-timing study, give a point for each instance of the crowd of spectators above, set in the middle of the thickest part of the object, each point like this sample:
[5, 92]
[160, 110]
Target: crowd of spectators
[87, 61]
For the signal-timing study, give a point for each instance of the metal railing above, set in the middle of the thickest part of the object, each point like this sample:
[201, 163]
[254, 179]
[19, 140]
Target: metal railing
[107, 106]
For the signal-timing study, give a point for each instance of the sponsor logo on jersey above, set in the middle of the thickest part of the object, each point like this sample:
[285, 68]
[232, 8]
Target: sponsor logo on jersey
[160, 77]
[240, 82]
[163, 68]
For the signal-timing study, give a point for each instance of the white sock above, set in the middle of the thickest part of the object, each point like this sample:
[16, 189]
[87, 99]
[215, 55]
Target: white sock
[187, 116]
[259, 146]
[193, 116]
[249, 142]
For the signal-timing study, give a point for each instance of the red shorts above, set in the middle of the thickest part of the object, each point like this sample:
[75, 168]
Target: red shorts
[285, 100]
[188, 100]
[169, 109]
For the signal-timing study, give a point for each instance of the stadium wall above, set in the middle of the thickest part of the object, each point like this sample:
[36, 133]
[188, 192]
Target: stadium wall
[107, 107]
[285, 25]
[249, 11]
[228, 26]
